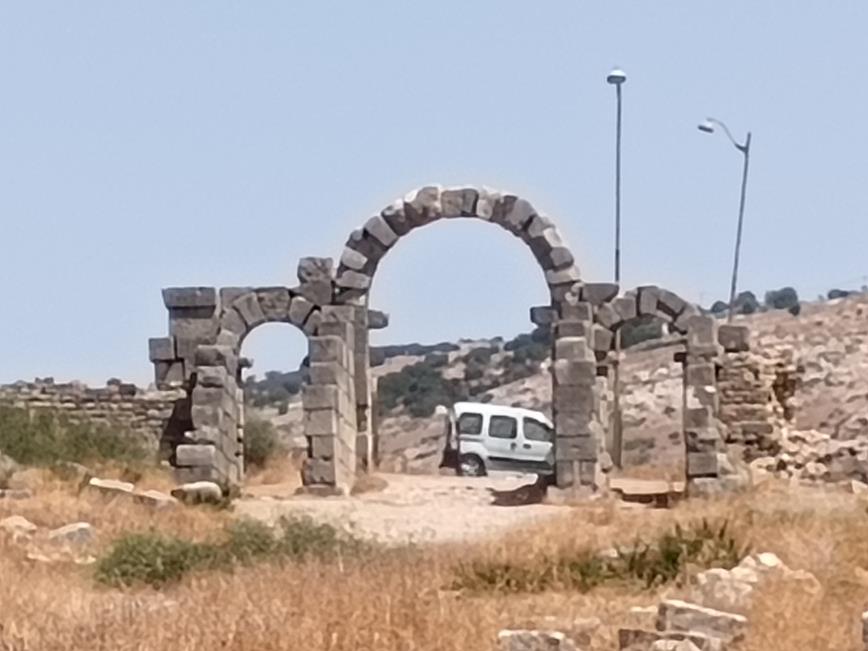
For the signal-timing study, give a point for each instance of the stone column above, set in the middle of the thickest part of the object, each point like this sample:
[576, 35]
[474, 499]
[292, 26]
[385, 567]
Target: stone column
[575, 403]
[329, 404]
[701, 434]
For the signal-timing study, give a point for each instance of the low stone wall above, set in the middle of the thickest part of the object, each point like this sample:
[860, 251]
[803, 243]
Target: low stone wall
[149, 414]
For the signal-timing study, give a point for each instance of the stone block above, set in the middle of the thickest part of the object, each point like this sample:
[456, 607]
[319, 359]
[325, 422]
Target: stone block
[311, 269]
[320, 396]
[734, 338]
[211, 376]
[701, 332]
[354, 280]
[396, 218]
[538, 225]
[702, 464]
[534, 640]
[682, 323]
[189, 297]
[328, 373]
[352, 259]
[702, 440]
[185, 347]
[572, 329]
[648, 298]
[299, 310]
[574, 372]
[327, 349]
[318, 471]
[573, 422]
[167, 374]
[670, 303]
[699, 374]
[274, 302]
[598, 293]
[234, 323]
[572, 348]
[459, 202]
[207, 415]
[676, 615]
[161, 349]
[321, 422]
[423, 206]
[697, 418]
[322, 447]
[331, 327]
[634, 639]
[193, 322]
[377, 320]
[602, 338]
[228, 295]
[607, 317]
[578, 311]
[318, 293]
[378, 228]
[313, 322]
[195, 455]
[625, 307]
[249, 309]
[542, 315]
[566, 276]
[190, 474]
[216, 355]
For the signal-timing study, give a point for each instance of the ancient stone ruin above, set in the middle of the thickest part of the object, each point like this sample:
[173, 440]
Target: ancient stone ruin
[207, 326]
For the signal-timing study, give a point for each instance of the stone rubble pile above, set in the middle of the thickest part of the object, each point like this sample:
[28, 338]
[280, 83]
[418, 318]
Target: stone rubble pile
[812, 456]
[715, 619]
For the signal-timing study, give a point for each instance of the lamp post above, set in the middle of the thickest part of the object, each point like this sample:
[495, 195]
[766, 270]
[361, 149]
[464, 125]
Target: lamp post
[708, 127]
[617, 78]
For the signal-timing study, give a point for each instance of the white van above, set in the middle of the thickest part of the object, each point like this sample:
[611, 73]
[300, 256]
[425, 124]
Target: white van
[482, 437]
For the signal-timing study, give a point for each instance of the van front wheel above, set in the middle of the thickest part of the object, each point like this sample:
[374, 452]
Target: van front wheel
[471, 465]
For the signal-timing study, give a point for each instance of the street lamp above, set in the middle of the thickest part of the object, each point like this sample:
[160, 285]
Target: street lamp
[617, 78]
[708, 127]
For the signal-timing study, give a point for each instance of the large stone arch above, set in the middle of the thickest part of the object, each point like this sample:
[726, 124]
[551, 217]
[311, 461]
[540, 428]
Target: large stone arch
[575, 406]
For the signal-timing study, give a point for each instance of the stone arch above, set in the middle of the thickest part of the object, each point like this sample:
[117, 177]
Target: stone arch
[612, 311]
[575, 407]
[368, 244]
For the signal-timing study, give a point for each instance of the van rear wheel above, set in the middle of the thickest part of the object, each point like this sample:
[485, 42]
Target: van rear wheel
[471, 465]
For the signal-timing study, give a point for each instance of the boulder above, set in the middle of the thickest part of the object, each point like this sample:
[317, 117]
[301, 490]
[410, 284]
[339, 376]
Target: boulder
[199, 492]
[534, 640]
[155, 499]
[75, 534]
[676, 615]
[17, 525]
[110, 487]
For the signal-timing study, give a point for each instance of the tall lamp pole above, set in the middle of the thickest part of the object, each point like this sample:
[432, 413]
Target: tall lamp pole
[708, 127]
[617, 78]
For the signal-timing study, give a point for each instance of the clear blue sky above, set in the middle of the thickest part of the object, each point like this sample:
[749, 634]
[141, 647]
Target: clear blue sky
[149, 144]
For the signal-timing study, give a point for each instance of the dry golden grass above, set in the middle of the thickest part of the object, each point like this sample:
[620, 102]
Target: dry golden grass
[401, 600]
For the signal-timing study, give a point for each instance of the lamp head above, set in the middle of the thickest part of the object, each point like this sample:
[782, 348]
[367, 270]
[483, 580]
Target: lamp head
[707, 126]
[616, 77]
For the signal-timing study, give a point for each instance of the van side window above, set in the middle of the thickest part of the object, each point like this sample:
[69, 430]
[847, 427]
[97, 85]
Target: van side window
[469, 423]
[537, 431]
[503, 427]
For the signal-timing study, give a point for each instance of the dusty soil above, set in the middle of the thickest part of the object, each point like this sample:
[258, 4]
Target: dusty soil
[410, 509]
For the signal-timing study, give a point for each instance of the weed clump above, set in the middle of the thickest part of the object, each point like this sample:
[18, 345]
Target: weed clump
[672, 556]
[156, 559]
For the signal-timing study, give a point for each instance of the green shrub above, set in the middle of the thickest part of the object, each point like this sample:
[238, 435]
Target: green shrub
[642, 328]
[260, 442]
[152, 559]
[156, 559]
[672, 556]
[47, 438]
[785, 298]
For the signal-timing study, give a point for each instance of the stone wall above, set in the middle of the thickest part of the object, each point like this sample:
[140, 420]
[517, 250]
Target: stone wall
[151, 415]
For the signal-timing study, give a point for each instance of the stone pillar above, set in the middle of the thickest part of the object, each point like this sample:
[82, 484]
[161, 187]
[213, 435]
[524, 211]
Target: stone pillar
[575, 403]
[701, 434]
[329, 404]
[212, 450]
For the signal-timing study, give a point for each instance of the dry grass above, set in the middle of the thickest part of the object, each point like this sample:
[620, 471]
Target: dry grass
[400, 601]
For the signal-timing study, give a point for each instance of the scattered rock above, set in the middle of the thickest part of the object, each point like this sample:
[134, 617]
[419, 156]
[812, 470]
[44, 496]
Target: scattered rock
[15, 493]
[110, 487]
[155, 499]
[674, 645]
[199, 492]
[16, 524]
[676, 615]
[634, 639]
[534, 640]
[77, 533]
[8, 467]
[734, 589]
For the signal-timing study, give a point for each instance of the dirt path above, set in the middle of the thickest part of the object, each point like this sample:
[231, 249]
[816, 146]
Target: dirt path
[412, 508]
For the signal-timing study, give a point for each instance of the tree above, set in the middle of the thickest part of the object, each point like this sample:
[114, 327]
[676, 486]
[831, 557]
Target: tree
[782, 299]
[746, 303]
